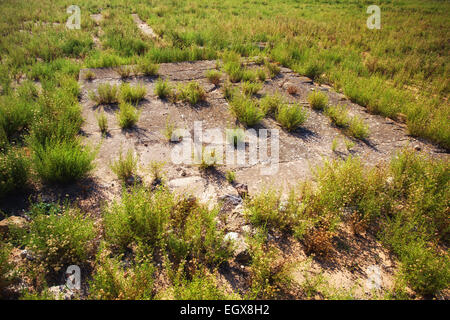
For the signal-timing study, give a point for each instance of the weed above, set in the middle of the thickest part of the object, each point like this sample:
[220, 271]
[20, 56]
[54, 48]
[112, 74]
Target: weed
[125, 167]
[213, 76]
[106, 94]
[124, 71]
[230, 176]
[14, 171]
[246, 110]
[318, 100]
[291, 117]
[147, 67]
[102, 122]
[192, 92]
[132, 94]
[127, 116]
[250, 88]
[163, 89]
[235, 136]
[270, 103]
[273, 69]
[89, 75]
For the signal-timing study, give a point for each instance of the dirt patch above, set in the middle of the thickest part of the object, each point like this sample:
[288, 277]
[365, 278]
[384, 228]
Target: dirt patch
[145, 28]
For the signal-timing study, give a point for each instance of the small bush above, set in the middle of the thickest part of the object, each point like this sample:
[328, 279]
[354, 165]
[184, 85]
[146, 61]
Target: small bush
[318, 100]
[59, 240]
[102, 123]
[358, 129]
[147, 67]
[248, 75]
[106, 94]
[213, 76]
[124, 71]
[246, 110]
[201, 287]
[235, 136]
[62, 161]
[5, 267]
[230, 176]
[89, 75]
[111, 280]
[125, 167]
[163, 89]
[229, 91]
[192, 93]
[273, 69]
[251, 88]
[338, 115]
[261, 74]
[127, 115]
[270, 103]
[132, 94]
[14, 171]
[291, 117]
[234, 71]
[169, 129]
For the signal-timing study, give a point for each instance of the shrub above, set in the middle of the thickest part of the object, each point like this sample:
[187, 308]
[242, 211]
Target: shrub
[209, 158]
[338, 115]
[202, 286]
[111, 280]
[63, 161]
[290, 117]
[235, 136]
[5, 267]
[261, 74]
[147, 67]
[229, 91]
[132, 94]
[16, 114]
[102, 123]
[251, 88]
[124, 71]
[273, 69]
[192, 93]
[318, 100]
[230, 176]
[213, 76]
[14, 171]
[234, 71]
[169, 129]
[106, 94]
[89, 75]
[127, 115]
[270, 103]
[248, 75]
[125, 167]
[163, 89]
[59, 240]
[246, 110]
[358, 129]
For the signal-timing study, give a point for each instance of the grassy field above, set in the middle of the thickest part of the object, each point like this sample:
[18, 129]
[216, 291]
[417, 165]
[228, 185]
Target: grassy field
[401, 71]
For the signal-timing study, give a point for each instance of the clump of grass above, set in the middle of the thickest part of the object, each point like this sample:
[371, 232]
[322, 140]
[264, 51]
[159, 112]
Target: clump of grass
[89, 75]
[127, 115]
[273, 69]
[230, 176]
[110, 281]
[261, 74]
[169, 130]
[318, 100]
[270, 103]
[334, 144]
[192, 93]
[59, 240]
[229, 91]
[156, 171]
[352, 126]
[246, 110]
[291, 117]
[124, 71]
[251, 88]
[163, 89]
[14, 171]
[102, 122]
[234, 71]
[235, 136]
[132, 94]
[147, 67]
[63, 161]
[126, 166]
[213, 76]
[210, 158]
[349, 144]
[249, 75]
[357, 128]
[106, 94]
[292, 90]
[5, 267]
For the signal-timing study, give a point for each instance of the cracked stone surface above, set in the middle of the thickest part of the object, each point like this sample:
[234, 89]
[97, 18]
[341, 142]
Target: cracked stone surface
[299, 151]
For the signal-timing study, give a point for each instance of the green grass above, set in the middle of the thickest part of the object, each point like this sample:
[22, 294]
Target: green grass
[14, 171]
[106, 94]
[132, 94]
[102, 122]
[163, 89]
[251, 88]
[291, 117]
[127, 115]
[318, 100]
[213, 76]
[62, 161]
[191, 92]
[270, 103]
[246, 110]
[126, 166]
[60, 240]
[147, 67]
[352, 126]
